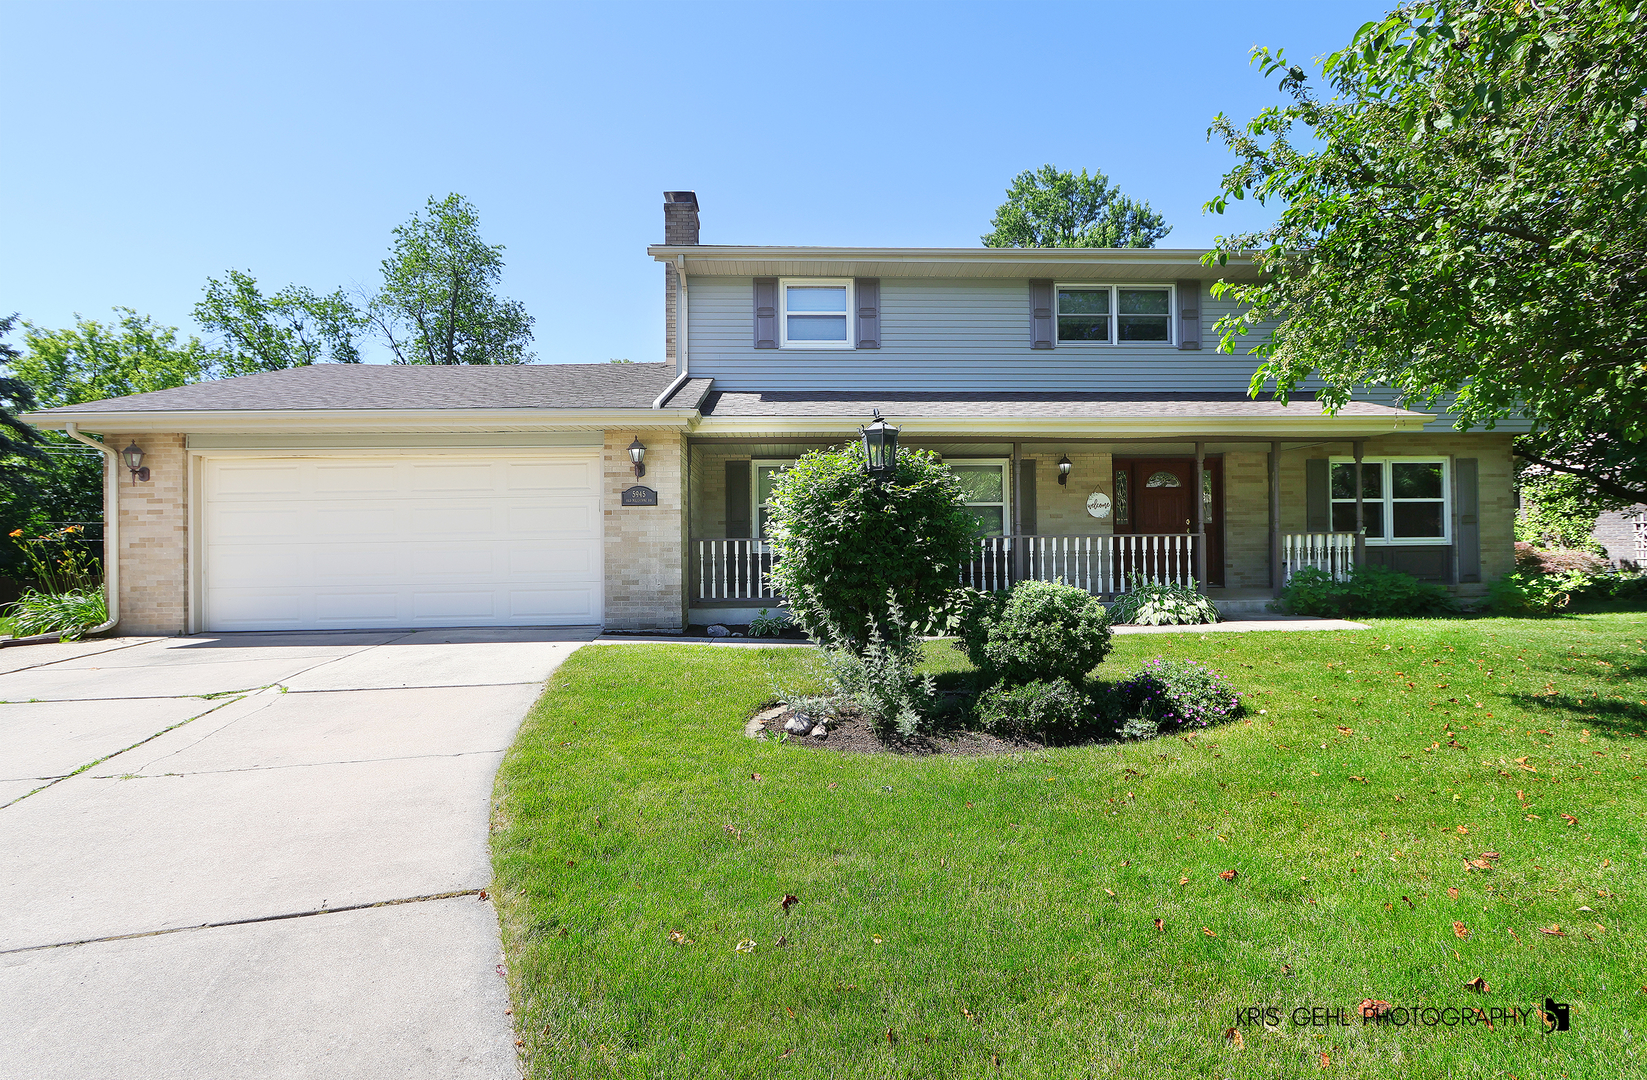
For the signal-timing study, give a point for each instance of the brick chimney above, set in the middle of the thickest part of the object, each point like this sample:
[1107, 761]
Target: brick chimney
[680, 228]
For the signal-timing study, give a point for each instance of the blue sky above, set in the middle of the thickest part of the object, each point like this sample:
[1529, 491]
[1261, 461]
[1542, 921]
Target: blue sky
[149, 146]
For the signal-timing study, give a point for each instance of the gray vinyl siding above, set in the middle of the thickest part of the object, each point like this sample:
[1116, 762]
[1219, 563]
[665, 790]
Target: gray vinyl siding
[967, 335]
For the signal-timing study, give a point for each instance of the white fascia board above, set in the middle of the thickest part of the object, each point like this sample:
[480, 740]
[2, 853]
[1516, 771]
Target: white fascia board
[345, 420]
[1290, 427]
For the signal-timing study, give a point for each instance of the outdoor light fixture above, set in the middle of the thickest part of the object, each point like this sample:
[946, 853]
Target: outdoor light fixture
[637, 454]
[1064, 466]
[880, 447]
[133, 455]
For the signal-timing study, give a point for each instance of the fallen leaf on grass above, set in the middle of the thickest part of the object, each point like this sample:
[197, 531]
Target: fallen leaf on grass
[1159, 925]
[1372, 1009]
[1571, 820]
[1463, 829]
[789, 901]
[1452, 892]
[1183, 881]
[790, 1011]
[1207, 932]
[679, 938]
[754, 776]
[1325, 1061]
[786, 1053]
[966, 1013]
[1460, 931]
[1477, 864]
[1346, 731]
[876, 938]
[1478, 984]
[1554, 930]
[745, 945]
[1110, 891]
[890, 1038]
[1230, 875]
[1491, 855]
[1233, 1037]
[781, 942]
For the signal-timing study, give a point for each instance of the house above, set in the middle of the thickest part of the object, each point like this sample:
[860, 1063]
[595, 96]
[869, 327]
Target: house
[1079, 393]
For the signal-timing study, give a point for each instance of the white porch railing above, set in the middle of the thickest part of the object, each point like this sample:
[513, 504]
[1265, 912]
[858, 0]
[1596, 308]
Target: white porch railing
[1331, 553]
[738, 568]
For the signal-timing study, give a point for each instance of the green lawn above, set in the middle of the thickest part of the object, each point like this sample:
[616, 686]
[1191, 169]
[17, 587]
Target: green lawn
[995, 917]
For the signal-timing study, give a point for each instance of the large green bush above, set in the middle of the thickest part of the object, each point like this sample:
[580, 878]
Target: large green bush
[844, 542]
[1043, 630]
[1369, 590]
[1052, 710]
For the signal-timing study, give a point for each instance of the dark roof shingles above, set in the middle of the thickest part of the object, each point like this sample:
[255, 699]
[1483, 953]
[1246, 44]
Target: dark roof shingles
[982, 405]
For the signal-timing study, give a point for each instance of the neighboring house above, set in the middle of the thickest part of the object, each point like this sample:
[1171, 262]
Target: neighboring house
[1623, 535]
[373, 496]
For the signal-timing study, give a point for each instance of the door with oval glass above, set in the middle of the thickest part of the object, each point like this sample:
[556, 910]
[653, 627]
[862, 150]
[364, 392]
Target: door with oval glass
[1163, 502]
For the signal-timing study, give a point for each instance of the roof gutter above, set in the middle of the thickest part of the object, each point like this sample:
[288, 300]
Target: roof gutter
[111, 543]
[682, 355]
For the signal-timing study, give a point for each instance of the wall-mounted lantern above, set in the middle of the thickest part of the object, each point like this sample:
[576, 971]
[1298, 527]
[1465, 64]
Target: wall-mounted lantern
[637, 456]
[133, 456]
[1064, 466]
[880, 447]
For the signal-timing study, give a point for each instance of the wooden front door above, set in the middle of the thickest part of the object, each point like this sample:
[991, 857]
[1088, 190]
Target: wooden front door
[1161, 494]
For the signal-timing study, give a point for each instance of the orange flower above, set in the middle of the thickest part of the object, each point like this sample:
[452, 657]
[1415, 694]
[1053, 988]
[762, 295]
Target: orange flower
[16, 532]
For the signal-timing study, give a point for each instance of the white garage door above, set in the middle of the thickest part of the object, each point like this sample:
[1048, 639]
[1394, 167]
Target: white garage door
[297, 543]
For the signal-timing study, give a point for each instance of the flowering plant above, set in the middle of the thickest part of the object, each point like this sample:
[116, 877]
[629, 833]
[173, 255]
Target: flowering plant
[1176, 694]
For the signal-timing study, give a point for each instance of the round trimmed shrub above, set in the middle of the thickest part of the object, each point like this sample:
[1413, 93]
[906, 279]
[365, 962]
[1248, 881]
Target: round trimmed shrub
[845, 544]
[1049, 709]
[1168, 695]
[1045, 630]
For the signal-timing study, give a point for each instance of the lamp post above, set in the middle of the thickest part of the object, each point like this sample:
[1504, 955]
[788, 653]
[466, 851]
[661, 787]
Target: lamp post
[880, 447]
[637, 456]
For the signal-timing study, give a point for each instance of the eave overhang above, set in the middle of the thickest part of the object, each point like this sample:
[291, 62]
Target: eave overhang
[1084, 264]
[319, 421]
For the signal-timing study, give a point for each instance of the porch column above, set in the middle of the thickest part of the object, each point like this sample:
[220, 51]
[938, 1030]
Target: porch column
[1360, 522]
[1016, 530]
[1275, 517]
[1200, 517]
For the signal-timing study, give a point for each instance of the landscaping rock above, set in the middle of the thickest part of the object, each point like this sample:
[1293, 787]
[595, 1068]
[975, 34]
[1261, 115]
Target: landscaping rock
[718, 631]
[755, 729]
[819, 731]
[798, 725]
[766, 716]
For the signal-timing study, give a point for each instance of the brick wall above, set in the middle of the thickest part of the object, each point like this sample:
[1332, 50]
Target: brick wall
[645, 545]
[154, 537]
[1062, 510]
[1247, 514]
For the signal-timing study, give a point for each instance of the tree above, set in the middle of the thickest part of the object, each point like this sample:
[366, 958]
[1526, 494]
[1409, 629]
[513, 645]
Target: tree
[1462, 221]
[1048, 207]
[844, 541]
[17, 439]
[290, 328]
[437, 304]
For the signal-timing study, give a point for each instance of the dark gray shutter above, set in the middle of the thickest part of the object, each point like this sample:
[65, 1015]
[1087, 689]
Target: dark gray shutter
[1317, 496]
[766, 313]
[1026, 498]
[867, 290]
[1040, 315]
[1189, 314]
[1467, 501]
[737, 499]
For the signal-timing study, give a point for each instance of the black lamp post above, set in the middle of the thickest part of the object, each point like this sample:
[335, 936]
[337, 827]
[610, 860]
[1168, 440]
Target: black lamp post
[1064, 466]
[880, 447]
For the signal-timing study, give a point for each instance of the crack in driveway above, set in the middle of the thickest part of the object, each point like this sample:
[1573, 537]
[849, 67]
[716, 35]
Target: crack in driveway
[290, 765]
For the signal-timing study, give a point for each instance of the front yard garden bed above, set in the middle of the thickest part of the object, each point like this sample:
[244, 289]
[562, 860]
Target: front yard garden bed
[1401, 812]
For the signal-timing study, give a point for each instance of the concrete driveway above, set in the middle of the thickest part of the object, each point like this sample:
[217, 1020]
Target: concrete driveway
[271, 866]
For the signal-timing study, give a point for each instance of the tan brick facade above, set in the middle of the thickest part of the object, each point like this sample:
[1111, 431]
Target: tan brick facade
[154, 537]
[645, 545]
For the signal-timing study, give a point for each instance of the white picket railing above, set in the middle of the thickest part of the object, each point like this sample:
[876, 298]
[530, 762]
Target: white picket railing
[1331, 553]
[738, 568]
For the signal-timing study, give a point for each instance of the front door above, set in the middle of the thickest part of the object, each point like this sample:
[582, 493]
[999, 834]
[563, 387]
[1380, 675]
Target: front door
[1162, 497]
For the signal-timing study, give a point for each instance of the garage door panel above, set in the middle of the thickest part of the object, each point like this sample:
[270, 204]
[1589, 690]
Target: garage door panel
[402, 541]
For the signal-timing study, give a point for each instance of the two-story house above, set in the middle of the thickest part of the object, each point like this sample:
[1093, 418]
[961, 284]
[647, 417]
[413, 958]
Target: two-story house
[1079, 394]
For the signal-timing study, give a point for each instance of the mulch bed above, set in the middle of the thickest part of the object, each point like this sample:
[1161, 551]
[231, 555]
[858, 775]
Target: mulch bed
[851, 734]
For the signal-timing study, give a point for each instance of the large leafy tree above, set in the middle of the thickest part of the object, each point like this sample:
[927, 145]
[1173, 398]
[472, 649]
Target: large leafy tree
[438, 303]
[1052, 207]
[289, 328]
[1462, 220]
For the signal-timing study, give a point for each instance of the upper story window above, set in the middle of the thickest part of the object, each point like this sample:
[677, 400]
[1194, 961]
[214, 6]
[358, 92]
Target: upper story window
[1110, 314]
[815, 313]
[1403, 500]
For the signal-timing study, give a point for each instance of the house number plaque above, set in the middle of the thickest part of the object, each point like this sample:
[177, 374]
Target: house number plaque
[1098, 505]
[639, 496]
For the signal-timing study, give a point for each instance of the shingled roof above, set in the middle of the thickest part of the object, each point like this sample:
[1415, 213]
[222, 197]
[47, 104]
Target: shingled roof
[371, 387]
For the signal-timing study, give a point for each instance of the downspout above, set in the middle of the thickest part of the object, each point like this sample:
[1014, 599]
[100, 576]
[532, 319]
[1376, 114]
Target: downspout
[681, 353]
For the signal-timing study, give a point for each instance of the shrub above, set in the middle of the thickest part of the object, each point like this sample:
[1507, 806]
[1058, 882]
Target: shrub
[1042, 630]
[1054, 710]
[1170, 695]
[1536, 560]
[1370, 590]
[1527, 592]
[843, 541]
[1163, 603]
[68, 613]
[880, 677]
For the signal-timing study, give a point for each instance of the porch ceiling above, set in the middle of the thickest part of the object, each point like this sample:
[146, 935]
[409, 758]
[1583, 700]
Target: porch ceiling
[1028, 415]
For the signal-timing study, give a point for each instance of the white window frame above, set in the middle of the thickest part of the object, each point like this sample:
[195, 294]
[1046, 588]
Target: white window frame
[1115, 288]
[755, 504]
[1004, 464]
[783, 313]
[1385, 505]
